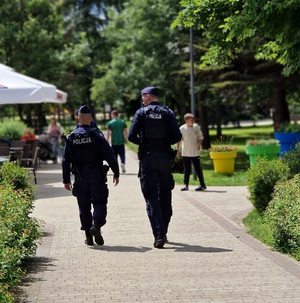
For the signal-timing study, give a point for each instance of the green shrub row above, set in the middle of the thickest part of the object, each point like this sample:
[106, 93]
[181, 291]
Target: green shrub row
[12, 129]
[274, 187]
[19, 231]
[283, 215]
[262, 178]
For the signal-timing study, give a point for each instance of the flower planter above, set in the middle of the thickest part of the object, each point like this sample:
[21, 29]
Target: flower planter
[224, 161]
[268, 151]
[287, 141]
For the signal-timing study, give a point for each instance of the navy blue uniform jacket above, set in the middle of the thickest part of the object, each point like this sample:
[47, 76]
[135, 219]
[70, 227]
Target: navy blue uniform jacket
[135, 132]
[106, 154]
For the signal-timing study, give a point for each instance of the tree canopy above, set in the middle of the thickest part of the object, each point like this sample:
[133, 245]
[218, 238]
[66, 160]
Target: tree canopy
[229, 25]
[144, 51]
[104, 52]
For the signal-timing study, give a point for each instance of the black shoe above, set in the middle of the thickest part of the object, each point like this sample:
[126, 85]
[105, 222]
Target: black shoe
[200, 188]
[185, 188]
[89, 238]
[95, 231]
[89, 241]
[160, 241]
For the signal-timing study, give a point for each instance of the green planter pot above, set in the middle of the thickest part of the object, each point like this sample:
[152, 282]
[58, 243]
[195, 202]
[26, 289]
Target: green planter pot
[268, 151]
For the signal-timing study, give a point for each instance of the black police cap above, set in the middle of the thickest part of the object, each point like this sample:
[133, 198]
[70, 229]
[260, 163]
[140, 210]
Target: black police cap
[150, 90]
[84, 109]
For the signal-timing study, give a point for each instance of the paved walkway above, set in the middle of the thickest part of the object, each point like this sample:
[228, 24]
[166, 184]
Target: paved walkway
[209, 259]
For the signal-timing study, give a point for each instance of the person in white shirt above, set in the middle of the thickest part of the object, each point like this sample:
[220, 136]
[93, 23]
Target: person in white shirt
[192, 138]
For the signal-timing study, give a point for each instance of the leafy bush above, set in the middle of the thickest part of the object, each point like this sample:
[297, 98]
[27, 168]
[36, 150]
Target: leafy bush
[263, 142]
[222, 148]
[283, 216]
[18, 230]
[289, 128]
[17, 177]
[292, 160]
[262, 178]
[12, 129]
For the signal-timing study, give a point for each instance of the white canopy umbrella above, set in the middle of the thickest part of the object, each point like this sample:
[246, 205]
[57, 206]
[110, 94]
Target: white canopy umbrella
[16, 88]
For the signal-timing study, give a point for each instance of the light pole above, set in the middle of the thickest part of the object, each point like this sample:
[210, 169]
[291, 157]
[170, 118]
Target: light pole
[192, 83]
[192, 72]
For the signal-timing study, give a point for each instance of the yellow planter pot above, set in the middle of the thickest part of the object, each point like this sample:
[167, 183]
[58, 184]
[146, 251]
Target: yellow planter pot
[224, 161]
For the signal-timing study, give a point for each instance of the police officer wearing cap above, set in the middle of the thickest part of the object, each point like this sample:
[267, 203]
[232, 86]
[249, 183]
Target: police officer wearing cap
[154, 128]
[84, 152]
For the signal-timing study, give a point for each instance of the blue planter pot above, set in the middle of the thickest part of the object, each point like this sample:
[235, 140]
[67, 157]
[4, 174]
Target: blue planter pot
[287, 141]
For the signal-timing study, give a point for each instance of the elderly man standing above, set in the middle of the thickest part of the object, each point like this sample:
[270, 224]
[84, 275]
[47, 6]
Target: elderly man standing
[85, 150]
[154, 128]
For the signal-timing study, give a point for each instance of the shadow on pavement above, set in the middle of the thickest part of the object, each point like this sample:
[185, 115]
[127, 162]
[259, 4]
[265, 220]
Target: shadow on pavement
[33, 267]
[182, 247]
[121, 248]
[178, 247]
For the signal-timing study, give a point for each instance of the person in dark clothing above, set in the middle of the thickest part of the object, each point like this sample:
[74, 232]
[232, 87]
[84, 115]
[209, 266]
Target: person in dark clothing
[154, 128]
[84, 152]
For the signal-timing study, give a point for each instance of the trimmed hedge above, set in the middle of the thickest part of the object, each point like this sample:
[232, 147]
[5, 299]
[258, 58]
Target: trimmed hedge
[19, 231]
[262, 178]
[292, 160]
[283, 215]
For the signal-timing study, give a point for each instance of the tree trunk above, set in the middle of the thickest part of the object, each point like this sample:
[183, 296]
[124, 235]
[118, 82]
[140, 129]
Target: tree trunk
[280, 106]
[203, 121]
[182, 107]
[40, 118]
[218, 119]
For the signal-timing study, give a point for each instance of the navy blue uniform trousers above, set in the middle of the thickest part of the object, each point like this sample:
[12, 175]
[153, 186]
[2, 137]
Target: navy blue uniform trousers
[157, 183]
[91, 190]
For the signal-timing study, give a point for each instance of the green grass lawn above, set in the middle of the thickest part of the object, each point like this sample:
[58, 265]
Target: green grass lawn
[238, 138]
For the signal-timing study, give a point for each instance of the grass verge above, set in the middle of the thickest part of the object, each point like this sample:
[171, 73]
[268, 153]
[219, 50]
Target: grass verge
[257, 227]
[238, 138]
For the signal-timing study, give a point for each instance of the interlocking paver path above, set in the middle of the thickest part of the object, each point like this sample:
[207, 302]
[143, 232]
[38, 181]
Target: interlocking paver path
[209, 259]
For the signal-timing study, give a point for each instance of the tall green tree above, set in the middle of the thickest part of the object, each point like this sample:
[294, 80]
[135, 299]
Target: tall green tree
[229, 25]
[145, 51]
[31, 39]
[55, 41]
[87, 18]
[270, 30]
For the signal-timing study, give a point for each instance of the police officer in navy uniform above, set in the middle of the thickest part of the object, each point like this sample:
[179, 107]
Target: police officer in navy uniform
[154, 128]
[84, 152]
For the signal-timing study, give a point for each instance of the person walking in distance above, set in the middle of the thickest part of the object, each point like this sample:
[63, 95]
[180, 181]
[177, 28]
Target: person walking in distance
[192, 138]
[55, 131]
[117, 132]
[84, 152]
[154, 128]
